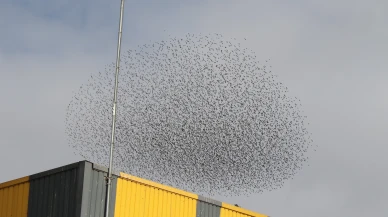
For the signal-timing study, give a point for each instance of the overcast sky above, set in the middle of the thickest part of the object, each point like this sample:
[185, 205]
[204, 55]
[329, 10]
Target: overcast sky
[333, 55]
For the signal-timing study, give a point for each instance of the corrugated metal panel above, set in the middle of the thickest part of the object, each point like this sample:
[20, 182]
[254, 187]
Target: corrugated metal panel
[56, 193]
[228, 210]
[14, 198]
[207, 207]
[140, 197]
[94, 191]
[79, 190]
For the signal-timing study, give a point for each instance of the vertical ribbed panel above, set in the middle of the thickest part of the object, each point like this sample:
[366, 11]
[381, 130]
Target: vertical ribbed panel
[94, 192]
[228, 210]
[56, 193]
[207, 207]
[138, 197]
[14, 198]
[79, 190]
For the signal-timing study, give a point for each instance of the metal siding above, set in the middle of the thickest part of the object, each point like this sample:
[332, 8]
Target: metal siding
[54, 193]
[66, 189]
[113, 196]
[207, 207]
[228, 210]
[139, 197]
[86, 189]
[79, 190]
[57, 208]
[14, 198]
[94, 191]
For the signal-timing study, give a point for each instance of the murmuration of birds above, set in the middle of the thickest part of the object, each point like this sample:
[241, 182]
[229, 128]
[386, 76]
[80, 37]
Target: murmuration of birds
[199, 113]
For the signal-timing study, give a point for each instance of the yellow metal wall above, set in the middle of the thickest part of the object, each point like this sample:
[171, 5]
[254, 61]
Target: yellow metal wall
[140, 197]
[14, 198]
[228, 210]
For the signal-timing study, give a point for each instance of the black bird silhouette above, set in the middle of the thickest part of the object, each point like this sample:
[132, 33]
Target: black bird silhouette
[199, 113]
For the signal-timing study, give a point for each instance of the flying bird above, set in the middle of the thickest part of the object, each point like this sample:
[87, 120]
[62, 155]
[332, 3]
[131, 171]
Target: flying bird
[199, 113]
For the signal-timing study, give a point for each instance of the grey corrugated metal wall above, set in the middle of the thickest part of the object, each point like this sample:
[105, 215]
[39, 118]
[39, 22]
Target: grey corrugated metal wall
[76, 190]
[94, 191]
[207, 207]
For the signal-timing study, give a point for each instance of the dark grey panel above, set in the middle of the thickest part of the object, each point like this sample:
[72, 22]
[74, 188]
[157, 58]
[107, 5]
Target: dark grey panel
[94, 192]
[54, 193]
[207, 207]
[79, 188]
[86, 190]
[76, 190]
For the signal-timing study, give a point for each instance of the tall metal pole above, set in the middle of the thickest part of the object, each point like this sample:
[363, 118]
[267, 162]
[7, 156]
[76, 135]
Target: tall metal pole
[109, 179]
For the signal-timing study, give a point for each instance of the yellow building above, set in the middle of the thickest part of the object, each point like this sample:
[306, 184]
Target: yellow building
[79, 190]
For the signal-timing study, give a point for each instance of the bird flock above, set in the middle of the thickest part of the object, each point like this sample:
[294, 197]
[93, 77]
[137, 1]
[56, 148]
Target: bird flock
[199, 113]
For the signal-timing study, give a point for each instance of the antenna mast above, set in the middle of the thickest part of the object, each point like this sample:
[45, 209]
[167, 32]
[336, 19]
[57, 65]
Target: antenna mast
[109, 178]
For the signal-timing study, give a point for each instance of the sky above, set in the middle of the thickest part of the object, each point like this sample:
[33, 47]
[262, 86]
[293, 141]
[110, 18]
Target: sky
[331, 54]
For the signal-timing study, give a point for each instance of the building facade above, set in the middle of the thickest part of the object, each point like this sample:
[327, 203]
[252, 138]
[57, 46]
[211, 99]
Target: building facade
[79, 190]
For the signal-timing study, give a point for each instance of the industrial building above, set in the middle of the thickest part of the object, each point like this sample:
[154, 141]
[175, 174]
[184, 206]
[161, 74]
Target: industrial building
[79, 190]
